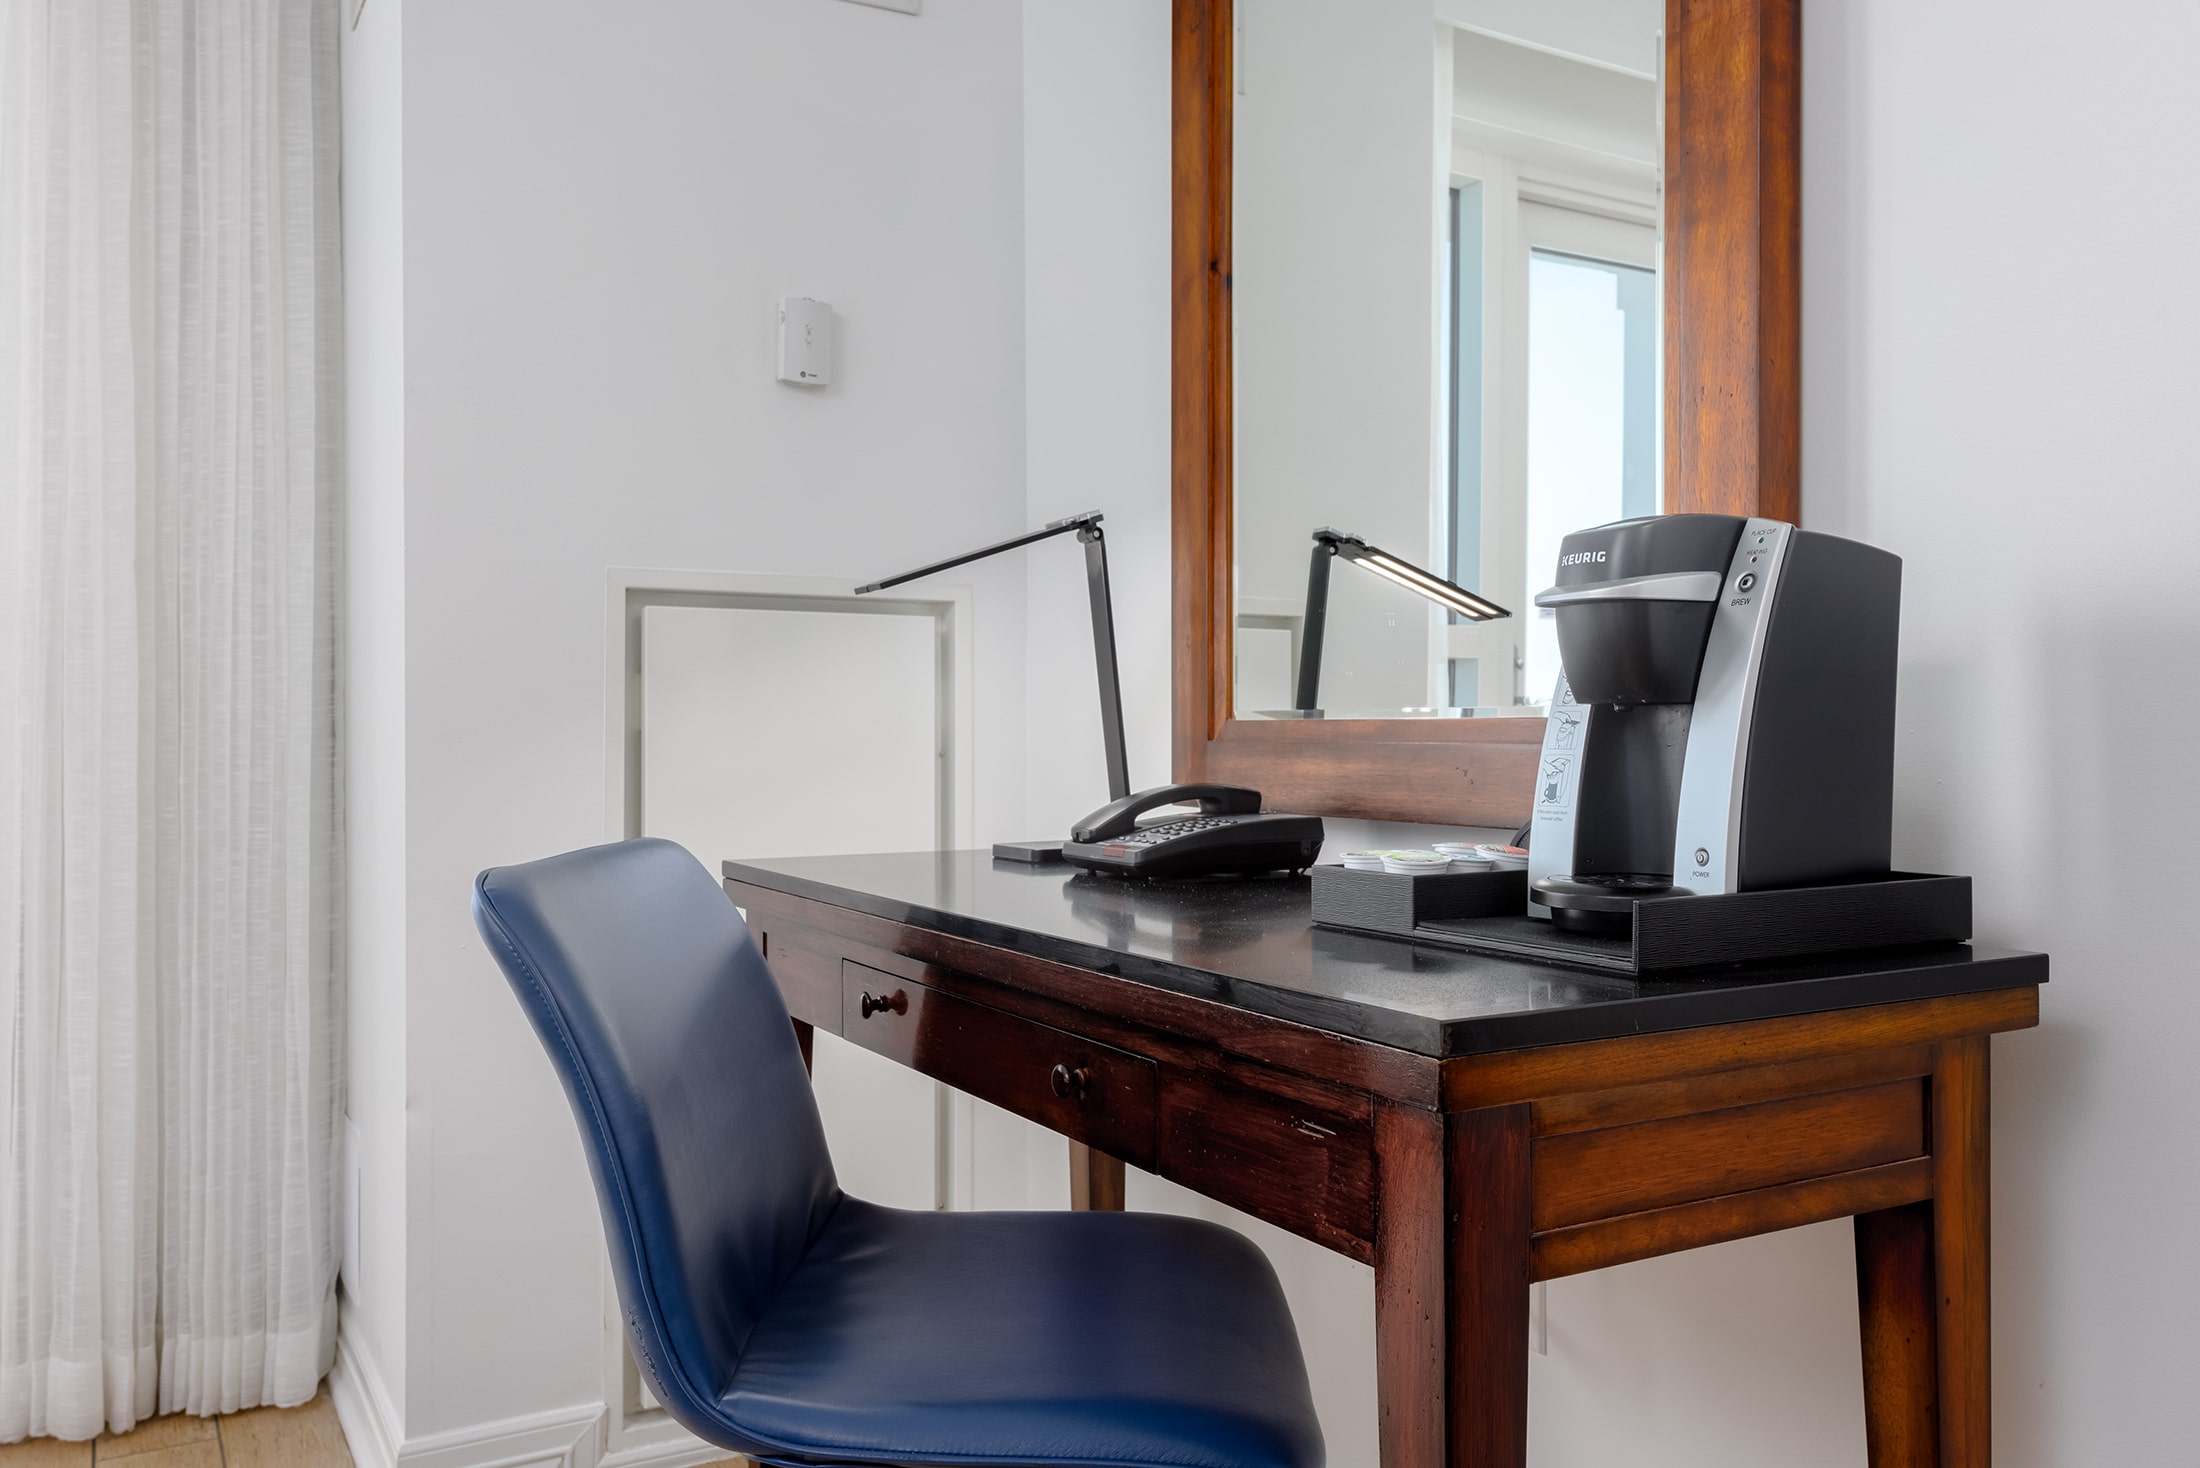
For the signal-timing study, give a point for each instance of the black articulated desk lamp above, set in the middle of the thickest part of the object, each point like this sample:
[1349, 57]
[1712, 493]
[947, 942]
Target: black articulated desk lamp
[1230, 834]
[1328, 546]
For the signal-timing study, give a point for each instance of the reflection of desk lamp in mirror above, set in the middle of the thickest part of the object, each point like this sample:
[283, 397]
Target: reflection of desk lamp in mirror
[1328, 546]
[1230, 833]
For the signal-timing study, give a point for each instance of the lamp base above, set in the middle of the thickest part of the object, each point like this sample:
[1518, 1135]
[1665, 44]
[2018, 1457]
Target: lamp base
[1029, 853]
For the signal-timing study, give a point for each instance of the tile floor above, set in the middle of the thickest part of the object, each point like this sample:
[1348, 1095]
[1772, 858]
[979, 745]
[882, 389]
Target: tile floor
[266, 1437]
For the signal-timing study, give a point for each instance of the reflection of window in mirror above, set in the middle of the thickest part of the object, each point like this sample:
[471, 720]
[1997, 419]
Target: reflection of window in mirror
[1592, 414]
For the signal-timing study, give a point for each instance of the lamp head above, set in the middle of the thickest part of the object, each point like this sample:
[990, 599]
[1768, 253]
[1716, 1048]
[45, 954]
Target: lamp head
[1413, 578]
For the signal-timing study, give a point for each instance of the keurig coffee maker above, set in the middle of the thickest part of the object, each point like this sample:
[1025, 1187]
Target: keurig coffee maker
[1725, 718]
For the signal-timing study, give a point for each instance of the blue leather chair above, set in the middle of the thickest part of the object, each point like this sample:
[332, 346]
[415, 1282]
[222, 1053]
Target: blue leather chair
[779, 1317]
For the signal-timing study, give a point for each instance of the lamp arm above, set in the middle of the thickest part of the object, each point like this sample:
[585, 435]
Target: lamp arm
[1103, 657]
[1078, 523]
[1087, 528]
[1315, 622]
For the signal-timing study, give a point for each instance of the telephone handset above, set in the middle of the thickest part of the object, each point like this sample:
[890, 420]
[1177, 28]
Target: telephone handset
[1229, 834]
[1119, 817]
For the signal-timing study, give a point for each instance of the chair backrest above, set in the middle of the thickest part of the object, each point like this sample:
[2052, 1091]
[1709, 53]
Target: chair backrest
[684, 1074]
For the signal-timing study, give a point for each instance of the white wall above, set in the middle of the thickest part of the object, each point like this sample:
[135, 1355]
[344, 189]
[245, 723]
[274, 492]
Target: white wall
[1998, 387]
[599, 206]
[1096, 382]
[374, 682]
[2002, 388]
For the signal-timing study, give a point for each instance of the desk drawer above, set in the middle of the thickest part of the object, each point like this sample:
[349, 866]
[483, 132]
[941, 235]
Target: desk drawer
[1305, 1168]
[1093, 1093]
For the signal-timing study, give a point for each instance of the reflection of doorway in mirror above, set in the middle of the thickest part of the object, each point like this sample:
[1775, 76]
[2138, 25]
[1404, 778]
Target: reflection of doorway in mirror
[1555, 415]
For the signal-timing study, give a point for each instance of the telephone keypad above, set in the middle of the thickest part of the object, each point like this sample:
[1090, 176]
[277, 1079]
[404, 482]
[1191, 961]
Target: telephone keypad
[1165, 830]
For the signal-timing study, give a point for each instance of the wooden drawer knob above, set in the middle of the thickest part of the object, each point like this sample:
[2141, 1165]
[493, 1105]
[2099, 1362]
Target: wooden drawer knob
[1068, 1083]
[897, 1002]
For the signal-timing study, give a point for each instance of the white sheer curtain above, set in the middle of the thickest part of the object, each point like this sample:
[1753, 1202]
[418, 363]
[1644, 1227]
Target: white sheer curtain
[170, 444]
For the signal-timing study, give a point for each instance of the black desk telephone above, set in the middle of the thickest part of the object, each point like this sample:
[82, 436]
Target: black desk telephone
[1231, 834]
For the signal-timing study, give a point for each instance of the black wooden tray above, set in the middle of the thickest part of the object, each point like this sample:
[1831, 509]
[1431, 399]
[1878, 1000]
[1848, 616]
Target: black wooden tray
[1486, 912]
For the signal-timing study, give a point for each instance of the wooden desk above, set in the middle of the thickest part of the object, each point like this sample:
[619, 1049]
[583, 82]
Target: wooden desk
[1466, 1125]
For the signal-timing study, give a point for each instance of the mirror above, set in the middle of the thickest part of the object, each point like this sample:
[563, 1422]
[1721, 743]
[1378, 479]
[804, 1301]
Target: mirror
[1445, 339]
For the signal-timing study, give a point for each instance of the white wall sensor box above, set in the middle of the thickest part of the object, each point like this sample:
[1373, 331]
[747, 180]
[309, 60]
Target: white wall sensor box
[805, 341]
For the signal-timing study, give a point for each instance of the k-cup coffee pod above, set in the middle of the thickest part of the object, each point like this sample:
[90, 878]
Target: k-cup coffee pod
[1363, 861]
[1414, 863]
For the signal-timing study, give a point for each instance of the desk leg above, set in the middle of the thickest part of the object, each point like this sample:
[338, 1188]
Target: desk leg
[1894, 1311]
[1923, 1284]
[1960, 1270]
[805, 1035]
[1095, 1181]
[1451, 1288]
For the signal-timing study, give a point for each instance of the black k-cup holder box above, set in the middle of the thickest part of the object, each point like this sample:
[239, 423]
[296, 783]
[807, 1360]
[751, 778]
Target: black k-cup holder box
[1396, 902]
[1486, 912]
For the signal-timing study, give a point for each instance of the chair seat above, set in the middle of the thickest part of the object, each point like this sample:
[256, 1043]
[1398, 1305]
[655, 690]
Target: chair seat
[1131, 1340]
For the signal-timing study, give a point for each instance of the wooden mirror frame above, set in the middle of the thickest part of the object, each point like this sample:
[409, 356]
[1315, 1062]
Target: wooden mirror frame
[1733, 387]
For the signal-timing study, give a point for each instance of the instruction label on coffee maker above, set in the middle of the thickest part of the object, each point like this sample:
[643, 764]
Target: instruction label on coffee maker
[1557, 779]
[1560, 771]
[1556, 790]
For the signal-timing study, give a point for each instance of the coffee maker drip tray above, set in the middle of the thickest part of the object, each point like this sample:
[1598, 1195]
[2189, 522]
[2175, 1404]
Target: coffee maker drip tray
[1642, 924]
[1603, 904]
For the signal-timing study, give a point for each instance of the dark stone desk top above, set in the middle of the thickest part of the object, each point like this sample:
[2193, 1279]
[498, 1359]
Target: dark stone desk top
[1252, 944]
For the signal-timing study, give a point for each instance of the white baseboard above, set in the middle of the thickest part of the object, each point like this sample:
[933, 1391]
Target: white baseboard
[683, 1454]
[652, 1439]
[567, 1437]
[363, 1405]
